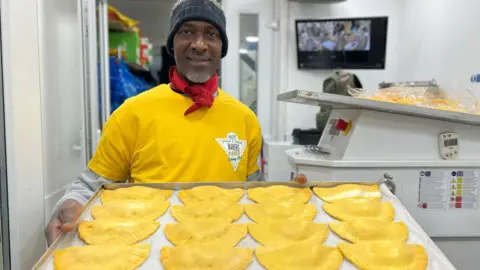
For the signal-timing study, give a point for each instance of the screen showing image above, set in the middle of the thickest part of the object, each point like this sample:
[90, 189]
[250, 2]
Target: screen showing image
[355, 43]
[351, 35]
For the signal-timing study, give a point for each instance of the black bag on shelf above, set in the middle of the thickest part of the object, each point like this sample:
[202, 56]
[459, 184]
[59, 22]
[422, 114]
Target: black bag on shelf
[306, 137]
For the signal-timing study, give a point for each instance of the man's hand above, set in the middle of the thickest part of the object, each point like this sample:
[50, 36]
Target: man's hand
[63, 220]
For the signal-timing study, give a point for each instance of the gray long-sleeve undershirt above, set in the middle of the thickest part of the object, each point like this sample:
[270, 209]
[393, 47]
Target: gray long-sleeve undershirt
[88, 182]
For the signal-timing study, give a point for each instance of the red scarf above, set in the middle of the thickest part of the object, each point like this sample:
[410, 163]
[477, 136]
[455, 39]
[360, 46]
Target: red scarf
[201, 94]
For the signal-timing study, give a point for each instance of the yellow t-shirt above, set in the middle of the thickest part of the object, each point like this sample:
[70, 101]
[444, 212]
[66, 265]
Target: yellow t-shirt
[148, 139]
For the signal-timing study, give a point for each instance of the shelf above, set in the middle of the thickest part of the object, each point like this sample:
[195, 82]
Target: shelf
[345, 102]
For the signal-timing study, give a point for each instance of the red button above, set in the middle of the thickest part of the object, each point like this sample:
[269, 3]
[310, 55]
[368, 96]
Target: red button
[341, 125]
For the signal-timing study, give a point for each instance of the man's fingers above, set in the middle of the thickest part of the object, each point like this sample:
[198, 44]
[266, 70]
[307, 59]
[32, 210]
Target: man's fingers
[69, 219]
[70, 212]
[67, 227]
[50, 240]
[63, 220]
[69, 215]
[51, 236]
[53, 230]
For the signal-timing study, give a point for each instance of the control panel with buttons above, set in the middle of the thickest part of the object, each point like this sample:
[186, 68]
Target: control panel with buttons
[339, 125]
[448, 145]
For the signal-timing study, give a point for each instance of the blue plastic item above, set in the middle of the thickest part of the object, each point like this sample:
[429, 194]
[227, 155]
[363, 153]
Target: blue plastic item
[123, 84]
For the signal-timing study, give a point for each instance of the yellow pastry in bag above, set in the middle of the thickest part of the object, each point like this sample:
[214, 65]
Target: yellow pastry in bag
[271, 212]
[385, 256]
[288, 231]
[279, 194]
[205, 210]
[370, 230]
[131, 209]
[135, 193]
[350, 209]
[206, 232]
[210, 193]
[299, 256]
[348, 191]
[205, 257]
[116, 231]
[101, 257]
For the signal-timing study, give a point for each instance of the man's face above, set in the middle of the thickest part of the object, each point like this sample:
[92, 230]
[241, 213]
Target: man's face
[197, 47]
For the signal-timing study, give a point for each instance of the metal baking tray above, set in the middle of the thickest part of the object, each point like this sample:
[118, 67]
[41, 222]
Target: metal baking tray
[428, 84]
[346, 102]
[437, 260]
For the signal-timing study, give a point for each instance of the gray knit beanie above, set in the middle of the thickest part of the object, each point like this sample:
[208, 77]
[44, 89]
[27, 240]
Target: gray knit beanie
[197, 10]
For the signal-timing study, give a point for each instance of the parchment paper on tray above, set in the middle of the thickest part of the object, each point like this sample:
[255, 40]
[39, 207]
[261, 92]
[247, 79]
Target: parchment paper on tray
[437, 261]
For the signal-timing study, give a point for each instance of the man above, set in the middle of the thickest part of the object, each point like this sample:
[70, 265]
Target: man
[187, 131]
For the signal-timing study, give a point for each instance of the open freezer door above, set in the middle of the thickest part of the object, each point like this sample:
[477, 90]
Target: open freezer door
[103, 59]
[95, 70]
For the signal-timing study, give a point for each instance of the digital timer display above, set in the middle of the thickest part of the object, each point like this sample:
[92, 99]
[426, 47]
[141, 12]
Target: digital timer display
[451, 142]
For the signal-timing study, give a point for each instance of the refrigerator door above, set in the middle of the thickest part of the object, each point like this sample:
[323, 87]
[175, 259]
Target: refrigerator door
[91, 94]
[62, 92]
[103, 58]
[74, 86]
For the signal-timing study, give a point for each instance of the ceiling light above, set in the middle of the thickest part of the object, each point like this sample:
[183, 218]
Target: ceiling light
[243, 51]
[252, 39]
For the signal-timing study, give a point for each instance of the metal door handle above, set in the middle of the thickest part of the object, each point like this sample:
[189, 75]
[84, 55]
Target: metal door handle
[77, 147]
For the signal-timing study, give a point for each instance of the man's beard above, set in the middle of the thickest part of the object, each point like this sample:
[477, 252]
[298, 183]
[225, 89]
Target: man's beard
[198, 77]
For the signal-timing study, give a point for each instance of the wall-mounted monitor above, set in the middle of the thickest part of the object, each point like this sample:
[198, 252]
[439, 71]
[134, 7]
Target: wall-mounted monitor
[351, 43]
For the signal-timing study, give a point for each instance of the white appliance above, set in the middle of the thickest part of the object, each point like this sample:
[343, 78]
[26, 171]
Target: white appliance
[276, 166]
[366, 139]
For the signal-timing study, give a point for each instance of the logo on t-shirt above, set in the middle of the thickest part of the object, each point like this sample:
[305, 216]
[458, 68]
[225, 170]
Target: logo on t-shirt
[234, 148]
